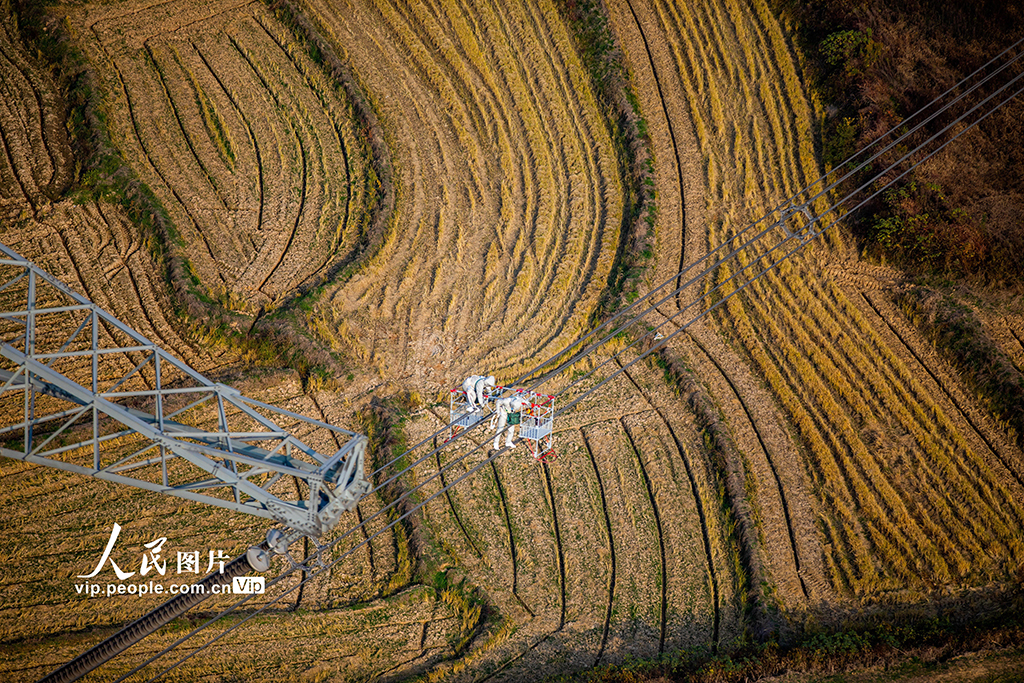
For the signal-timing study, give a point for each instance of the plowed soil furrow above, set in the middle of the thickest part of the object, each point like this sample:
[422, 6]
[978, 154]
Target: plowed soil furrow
[539, 551]
[455, 504]
[179, 172]
[635, 615]
[138, 267]
[478, 506]
[119, 364]
[1017, 336]
[443, 479]
[16, 151]
[322, 156]
[29, 118]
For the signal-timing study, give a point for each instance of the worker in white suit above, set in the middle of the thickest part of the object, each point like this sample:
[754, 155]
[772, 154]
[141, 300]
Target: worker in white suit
[474, 386]
[503, 409]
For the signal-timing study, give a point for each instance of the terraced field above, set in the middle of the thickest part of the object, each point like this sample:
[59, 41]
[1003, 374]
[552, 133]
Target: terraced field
[96, 250]
[820, 457]
[912, 489]
[509, 200]
[45, 622]
[241, 136]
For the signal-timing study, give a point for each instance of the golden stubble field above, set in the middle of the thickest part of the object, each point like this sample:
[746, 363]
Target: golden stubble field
[509, 200]
[246, 143]
[55, 521]
[507, 258]
[892, 484]
[848, 467]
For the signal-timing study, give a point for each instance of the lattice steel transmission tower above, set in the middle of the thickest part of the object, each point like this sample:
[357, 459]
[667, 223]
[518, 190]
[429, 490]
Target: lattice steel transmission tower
[82, 391]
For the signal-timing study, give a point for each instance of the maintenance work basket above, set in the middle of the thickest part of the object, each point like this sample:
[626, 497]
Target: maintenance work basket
[537, 426]
[459, 416]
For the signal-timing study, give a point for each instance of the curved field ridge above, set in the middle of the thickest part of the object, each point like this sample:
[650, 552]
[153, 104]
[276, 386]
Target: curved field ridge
[911, 498]
[244, 140]
[508, 199]
[787, 548]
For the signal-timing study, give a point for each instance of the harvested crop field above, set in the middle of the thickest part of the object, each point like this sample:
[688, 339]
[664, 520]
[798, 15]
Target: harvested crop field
[913, 489]
[508, 197]
[245, 142]
[421, 191]
[37, 163]
[618, 549]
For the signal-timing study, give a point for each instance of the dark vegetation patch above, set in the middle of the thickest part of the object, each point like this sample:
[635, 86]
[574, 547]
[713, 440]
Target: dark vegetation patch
[876, 62]
[890, 642]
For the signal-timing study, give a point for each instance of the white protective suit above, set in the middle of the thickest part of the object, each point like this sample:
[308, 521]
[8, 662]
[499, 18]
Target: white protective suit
[474, 387]
[502, 408]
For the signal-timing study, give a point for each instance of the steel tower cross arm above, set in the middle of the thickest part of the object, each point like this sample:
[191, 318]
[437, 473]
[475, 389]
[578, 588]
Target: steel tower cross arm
[82, 391]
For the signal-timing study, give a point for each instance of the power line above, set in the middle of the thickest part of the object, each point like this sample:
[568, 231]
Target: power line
[823, 179]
